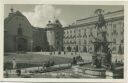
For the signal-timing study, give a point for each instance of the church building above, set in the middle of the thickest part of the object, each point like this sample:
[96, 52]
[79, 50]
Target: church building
[17, 33]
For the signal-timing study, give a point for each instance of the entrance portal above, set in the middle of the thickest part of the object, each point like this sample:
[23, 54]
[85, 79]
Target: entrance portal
[22, 44]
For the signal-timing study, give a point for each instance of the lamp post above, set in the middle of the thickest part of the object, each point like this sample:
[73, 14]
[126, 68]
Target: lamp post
[31, 44]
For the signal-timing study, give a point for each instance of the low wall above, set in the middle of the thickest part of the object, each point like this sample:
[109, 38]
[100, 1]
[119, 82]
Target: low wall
[85, 56]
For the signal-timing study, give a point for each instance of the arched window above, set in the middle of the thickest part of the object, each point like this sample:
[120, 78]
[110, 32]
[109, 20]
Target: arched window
[20, 31]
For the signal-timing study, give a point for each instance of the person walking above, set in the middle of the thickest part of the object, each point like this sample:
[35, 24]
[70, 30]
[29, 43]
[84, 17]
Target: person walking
[14, 63]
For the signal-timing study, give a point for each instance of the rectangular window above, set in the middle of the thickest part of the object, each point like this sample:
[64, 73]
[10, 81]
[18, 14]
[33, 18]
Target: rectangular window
[71, 31]
[79, 31]
[114, 48]
[84, 30]
[122, 32]
[114, 32]
[74, 30]
[114, 26]
[67, 31]
[122, 41]
[114, 40]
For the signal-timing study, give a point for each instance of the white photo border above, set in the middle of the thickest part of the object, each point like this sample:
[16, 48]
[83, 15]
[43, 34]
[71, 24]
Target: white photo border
[64, 2]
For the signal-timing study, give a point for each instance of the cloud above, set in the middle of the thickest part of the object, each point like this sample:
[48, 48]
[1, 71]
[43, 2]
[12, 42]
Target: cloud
[42, 14]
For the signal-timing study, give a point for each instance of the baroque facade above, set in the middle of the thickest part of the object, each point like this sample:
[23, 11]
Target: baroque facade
[55, 35]
[17, 32]
[78, 37]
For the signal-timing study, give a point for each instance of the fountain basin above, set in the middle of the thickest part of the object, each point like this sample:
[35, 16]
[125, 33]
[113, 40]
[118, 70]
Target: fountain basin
[97, 72]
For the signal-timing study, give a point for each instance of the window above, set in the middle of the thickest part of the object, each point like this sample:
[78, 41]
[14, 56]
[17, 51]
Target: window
[114, 40]
[79, 42]
[122, 32]
[114, 26]
[107, 34]
[120, 22]
[114, 48]
[58, 43]
[122, 41]
[110, 23]
[74, 31]
[71, 31]
[85, 30]
[16, 18]
[114, 32]
[79, 31]
[57, 33]
[67, 31]
[90, 48]
[90, 41]
[85, 42]
[20, 31]
[107, 23]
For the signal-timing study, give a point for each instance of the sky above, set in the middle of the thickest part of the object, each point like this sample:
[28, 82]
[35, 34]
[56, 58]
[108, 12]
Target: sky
[39, 15]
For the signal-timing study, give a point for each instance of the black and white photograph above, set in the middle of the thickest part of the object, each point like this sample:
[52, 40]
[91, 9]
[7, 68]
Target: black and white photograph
[63, 41]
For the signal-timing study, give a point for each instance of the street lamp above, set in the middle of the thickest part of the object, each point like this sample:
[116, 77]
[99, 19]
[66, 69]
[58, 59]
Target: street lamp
[31, 44]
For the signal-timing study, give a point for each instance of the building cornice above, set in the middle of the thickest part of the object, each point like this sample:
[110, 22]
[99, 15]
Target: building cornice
[111, 16]
[93, 22]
